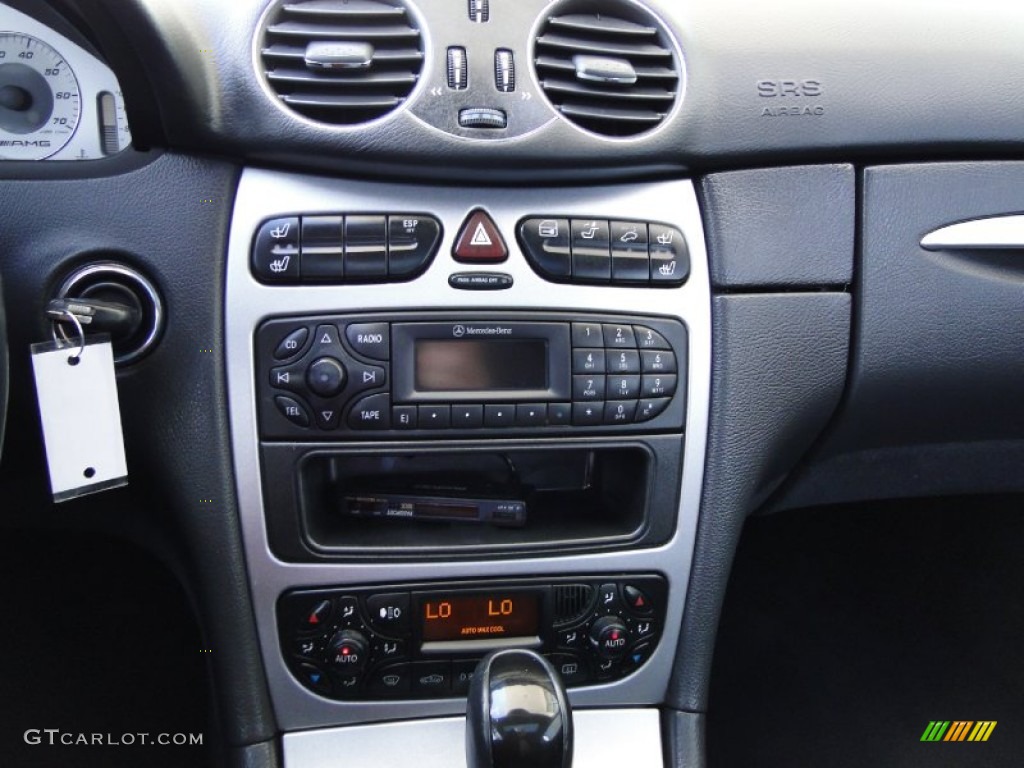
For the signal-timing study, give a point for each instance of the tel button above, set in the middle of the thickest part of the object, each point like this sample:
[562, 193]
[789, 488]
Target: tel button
[369, 339]
[373, 412]
[389, 613]
[292, 410]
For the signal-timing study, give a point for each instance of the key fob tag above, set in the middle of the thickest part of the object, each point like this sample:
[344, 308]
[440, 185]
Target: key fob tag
[80, 415]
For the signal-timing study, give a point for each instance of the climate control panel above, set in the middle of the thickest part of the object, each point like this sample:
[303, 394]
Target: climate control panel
[425, 640]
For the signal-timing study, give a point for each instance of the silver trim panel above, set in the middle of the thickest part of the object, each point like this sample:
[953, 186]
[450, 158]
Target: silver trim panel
[603, 738]
[264, 194]
[978, 234]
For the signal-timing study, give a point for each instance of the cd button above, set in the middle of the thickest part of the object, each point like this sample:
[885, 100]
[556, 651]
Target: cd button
[624, 361]
[531, 415]
[499, 415]
[467, 416]
[291, 344]
[588, 361]
[588, 388]
[434, 416]
[658, 386]
[656, 361]
[619, 411]
[587, 414]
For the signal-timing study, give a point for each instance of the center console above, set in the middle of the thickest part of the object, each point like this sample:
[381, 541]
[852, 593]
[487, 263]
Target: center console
[465, 420]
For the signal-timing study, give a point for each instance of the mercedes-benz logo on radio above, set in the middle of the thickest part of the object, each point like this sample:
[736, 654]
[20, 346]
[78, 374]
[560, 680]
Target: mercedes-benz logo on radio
[459, 331]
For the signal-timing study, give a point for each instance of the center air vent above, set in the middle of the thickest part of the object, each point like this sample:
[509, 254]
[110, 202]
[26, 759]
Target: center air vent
[615, 75]
[341, 62]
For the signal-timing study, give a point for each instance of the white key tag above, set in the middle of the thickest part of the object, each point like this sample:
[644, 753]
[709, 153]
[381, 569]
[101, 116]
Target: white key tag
[81, 418]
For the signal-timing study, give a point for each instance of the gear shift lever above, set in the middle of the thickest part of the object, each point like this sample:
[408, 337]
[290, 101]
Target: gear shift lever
[517, 714]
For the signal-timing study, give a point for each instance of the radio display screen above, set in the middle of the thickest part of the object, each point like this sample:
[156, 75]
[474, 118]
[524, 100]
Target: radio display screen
[480, 616]
[468, 365]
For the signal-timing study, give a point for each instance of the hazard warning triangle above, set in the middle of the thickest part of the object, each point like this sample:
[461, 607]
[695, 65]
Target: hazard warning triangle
[479, 241]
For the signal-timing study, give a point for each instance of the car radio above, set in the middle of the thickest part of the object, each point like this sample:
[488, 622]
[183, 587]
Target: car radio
[400, 375]
[424, 640]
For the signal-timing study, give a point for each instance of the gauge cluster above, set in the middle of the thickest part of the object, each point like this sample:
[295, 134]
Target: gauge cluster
[57, 100]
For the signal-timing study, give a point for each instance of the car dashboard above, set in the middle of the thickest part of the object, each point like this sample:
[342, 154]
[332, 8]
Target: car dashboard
[462, 326]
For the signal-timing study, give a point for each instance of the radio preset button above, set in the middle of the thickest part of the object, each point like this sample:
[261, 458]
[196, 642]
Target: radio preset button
[559, 414]
[648, 338]
[389, 613]
[648, 408]
[291, 344]
[587, 335]
[499, 415]
[404, 417]
[434, 416]
[587, 414]
[372, 412]
[588, 361]
[370, 339]
[658, 386]
[624, 361]
[531, 415]
[588, 388]
[623, 387]
[656, 361]
[616, 336]
[325, 377]
[619, 411]
[467, 416]
[292, 410]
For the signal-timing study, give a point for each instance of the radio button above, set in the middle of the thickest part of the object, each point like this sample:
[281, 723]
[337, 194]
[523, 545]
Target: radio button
[389, 613]
[588, 361]
[623, 387]
[370, 339]
[292, 410]
[655, 361]
[619, 411]
[648, 409]
[658, 386]
[588, 388]
[648, 338]
[467, 416]
[587, 335]
[587, 414]
[499, 415]
[570, 667]
[431, 678]
[404, 417]
[616, 336]
[291, 344]
[435, 416]
[392, 680]
[325, 377]
[559, 414]
[625, 361]
[531, 415]
[366, 376]
[373, 412]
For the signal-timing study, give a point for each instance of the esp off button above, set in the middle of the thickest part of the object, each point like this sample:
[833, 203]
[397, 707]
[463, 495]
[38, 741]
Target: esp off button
[370, 339]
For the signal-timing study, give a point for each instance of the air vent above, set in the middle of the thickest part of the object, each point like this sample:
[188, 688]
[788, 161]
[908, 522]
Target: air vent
[341, 62]
[615, 75]
[571, 602]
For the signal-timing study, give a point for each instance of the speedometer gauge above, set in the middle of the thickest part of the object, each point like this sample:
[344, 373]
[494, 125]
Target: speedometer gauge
[40, 103]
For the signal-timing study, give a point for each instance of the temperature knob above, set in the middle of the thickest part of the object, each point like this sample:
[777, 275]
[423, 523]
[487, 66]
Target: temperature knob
[347, 651]
[609, 637]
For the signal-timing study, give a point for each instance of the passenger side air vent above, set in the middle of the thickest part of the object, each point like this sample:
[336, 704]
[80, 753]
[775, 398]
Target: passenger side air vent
[614, 73]
[341, 62]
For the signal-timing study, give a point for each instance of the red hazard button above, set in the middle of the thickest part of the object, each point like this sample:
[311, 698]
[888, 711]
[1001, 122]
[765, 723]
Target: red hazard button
[479, 241]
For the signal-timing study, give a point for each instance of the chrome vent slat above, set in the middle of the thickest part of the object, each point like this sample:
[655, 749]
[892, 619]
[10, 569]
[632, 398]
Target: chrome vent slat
[610, 73]
[308, 60]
